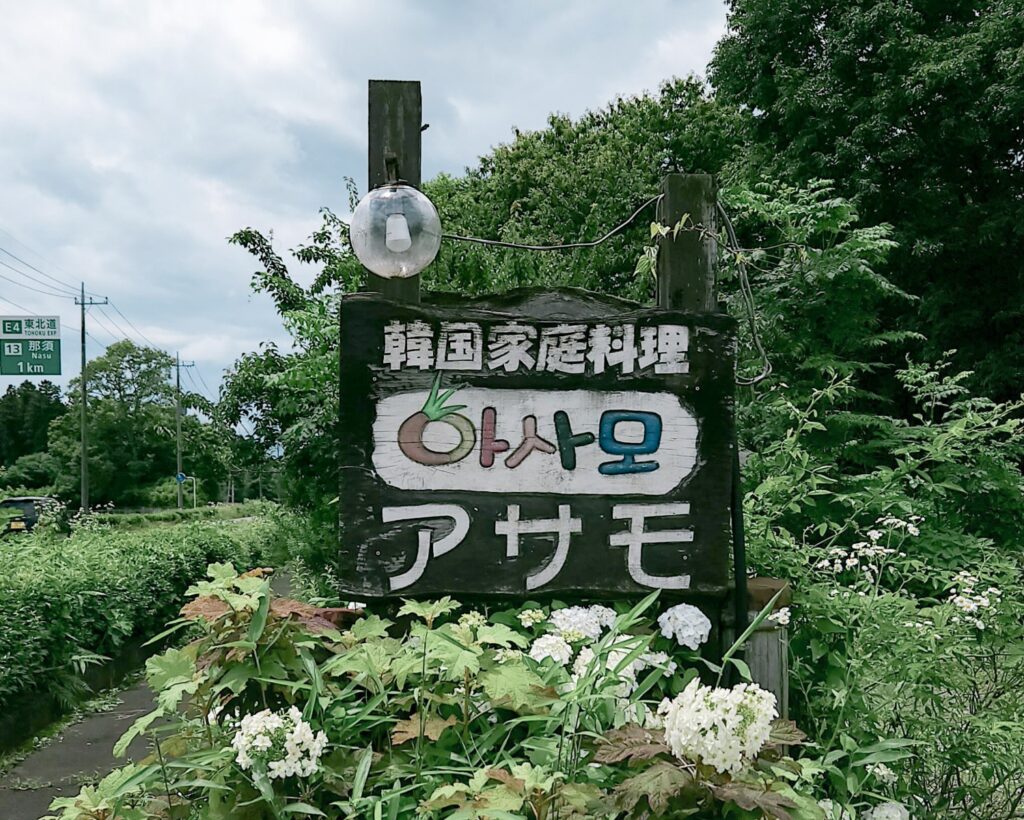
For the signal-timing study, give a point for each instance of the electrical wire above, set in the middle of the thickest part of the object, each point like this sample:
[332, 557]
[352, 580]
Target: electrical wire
[747, 295]
[17, 258]
[38, 281]
[117, 327]
[106, 329]
[564, 247]
[54, 293]
[133, 327]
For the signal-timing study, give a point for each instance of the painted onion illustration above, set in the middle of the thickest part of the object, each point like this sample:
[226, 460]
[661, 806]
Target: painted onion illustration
[410, 434]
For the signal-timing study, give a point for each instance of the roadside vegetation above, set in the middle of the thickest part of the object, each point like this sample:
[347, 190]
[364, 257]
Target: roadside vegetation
[68, 602]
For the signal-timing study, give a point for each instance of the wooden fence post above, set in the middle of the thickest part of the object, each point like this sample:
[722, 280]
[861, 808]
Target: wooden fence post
[768, 649]
[395, 127]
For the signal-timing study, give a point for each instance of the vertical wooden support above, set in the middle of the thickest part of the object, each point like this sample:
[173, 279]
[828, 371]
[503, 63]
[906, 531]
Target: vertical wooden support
[395, 123]
[686, 264]
[768, 650]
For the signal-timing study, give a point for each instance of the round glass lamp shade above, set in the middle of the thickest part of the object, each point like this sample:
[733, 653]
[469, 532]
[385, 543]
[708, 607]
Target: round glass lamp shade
[395, 231]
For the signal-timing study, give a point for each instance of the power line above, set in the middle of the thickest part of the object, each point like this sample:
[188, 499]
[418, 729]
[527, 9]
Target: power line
[213, 396]
[34, 278]
[106, 329]
[67, 285]
[117, 327]
[53, 293]
[131, 325]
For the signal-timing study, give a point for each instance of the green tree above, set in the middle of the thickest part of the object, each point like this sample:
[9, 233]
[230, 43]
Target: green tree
[132, 430]
[26, 411]
[916, 109]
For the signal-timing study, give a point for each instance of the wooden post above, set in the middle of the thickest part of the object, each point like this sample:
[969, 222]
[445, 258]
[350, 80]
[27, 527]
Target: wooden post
[686, 264]
[768, 650]
[395, 124]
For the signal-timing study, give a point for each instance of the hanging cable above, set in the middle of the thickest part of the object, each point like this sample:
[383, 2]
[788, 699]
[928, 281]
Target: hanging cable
[133, 327]
[564, 247]
[55, 293]
[747, 295]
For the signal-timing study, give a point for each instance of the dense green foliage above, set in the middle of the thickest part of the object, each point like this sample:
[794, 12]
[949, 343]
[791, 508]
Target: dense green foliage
[26, 411]
[916, 110]
[67, 601]
[454, 714]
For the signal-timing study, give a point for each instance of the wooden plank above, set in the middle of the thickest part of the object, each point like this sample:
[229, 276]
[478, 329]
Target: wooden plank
[686, 264]
[470, 512]
[394, 130]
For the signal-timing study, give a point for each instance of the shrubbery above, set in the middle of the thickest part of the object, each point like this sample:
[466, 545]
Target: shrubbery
[532, 712]
[66, 601]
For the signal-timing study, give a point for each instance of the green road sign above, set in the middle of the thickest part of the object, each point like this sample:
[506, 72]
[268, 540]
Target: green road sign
[29, 346]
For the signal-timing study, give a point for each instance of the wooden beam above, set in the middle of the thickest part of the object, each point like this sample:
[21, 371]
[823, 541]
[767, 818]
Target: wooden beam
[686, 264]
[394, 129]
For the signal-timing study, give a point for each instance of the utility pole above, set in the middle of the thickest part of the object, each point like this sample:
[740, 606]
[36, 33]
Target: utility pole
[84, 400]
[178, 364]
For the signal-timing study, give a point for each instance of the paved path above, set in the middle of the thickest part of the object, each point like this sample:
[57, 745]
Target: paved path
[81, 753]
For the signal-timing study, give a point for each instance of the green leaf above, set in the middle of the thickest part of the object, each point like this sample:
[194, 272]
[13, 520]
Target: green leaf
[501, 635]
[362, 772]
[372, 626]
[429, 611]
[259, 617]
[515, 686]
[137, 728]
[303, 808]
[656, 784]
[173, 666]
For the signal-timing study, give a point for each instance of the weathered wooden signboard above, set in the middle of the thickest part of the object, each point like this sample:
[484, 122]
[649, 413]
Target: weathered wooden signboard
[534, 444]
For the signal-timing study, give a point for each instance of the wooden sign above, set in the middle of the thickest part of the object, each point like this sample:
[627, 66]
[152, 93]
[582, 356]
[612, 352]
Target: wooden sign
[534, 444]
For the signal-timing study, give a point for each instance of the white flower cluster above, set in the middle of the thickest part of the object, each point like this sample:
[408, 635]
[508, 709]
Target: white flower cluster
[780, 616]
[578, 623]
[722, 728]
[551, 646]
[686, 624]
[909, 526]
[887, 811]
[832, 811]
[971, 603]
[473, 619]
[531, 617]
[507, 655]
[882, 773]
[284, 743]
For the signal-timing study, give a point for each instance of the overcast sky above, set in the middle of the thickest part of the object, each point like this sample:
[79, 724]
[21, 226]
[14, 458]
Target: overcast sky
[135, 137]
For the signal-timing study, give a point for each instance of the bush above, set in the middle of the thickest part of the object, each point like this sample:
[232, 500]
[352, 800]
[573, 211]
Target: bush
[65, 602]
[908, 605]
[533, 713]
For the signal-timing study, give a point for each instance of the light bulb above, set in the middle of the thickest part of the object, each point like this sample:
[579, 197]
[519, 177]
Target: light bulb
[397, 234]
[395, 231]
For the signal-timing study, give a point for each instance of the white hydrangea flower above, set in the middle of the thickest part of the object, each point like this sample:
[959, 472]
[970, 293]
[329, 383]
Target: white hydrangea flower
[722, 728]
[506, 655]
[661, 660]
[882, 773]
[531, 617]
[780, 616]
[551, 646]
[888, 811]
[575, 623]
[832, 811]
[473, 619]
[686, 624]
[284, 744]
